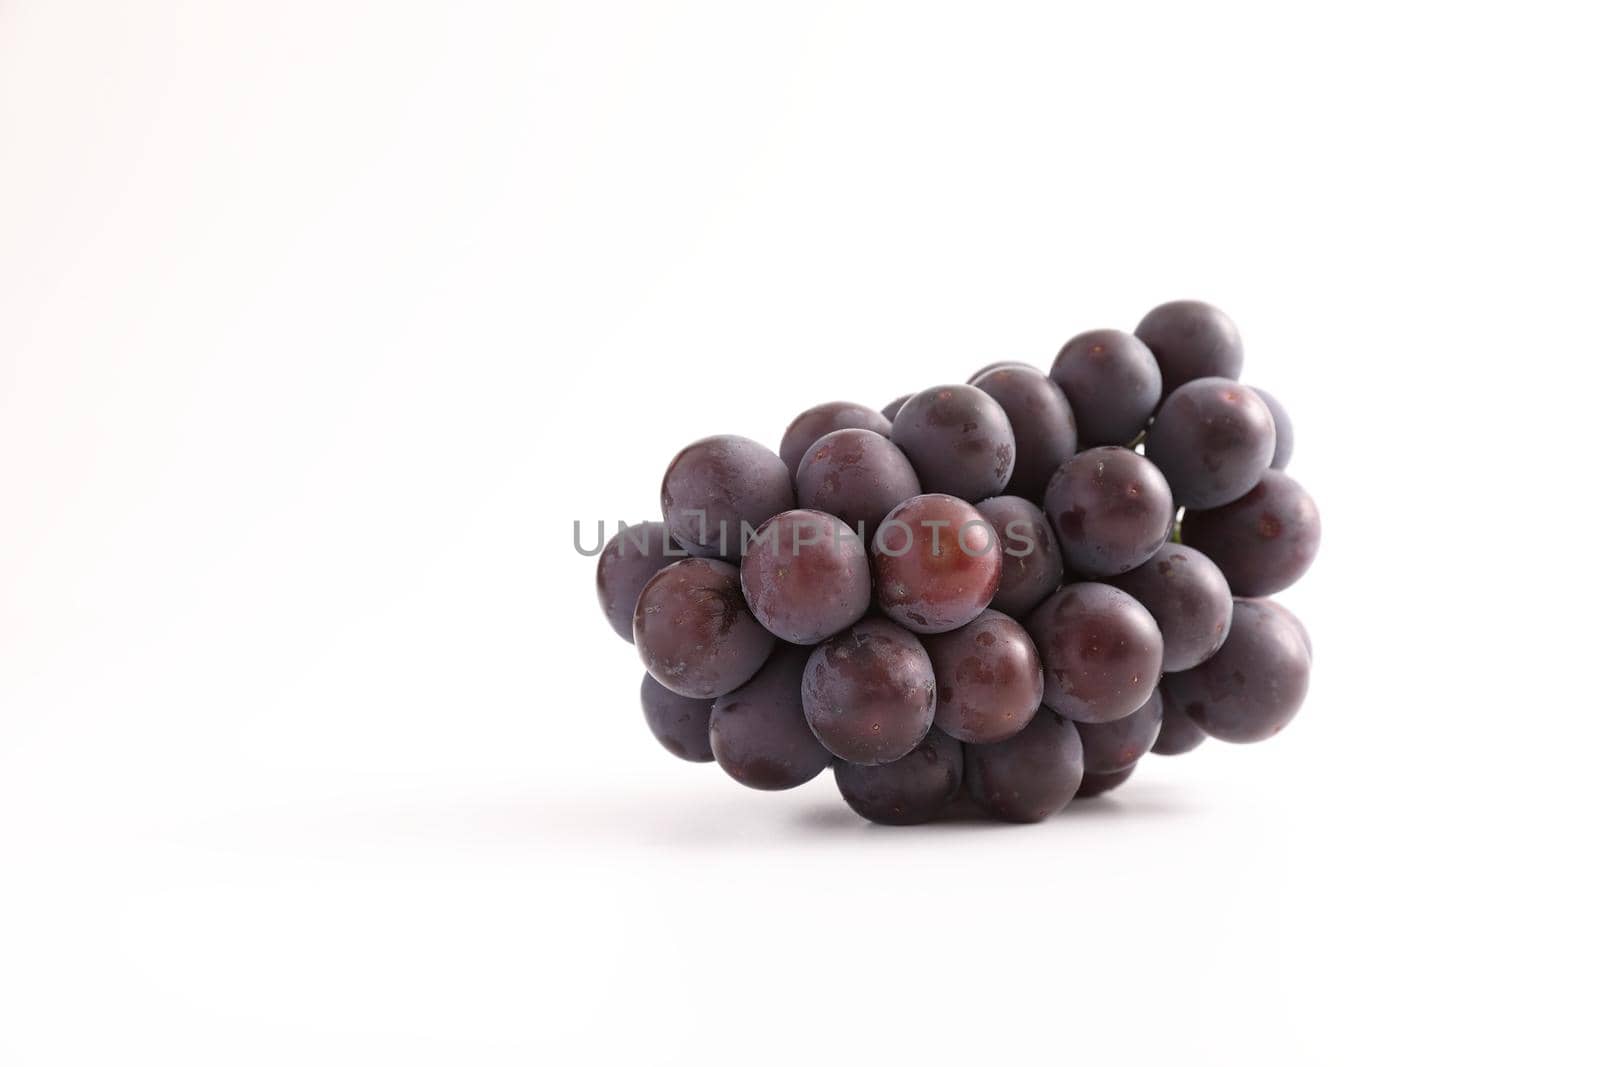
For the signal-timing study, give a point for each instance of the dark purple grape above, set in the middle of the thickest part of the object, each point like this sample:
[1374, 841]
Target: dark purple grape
[1191, 340]
[1300, 627]
[694, 631]
[913, 789]
[869, 692]
[1029, 777]
[682, 724]
[1189, 598]
[1254, 684]
[1179, 733]
[1212, 439]
[892, 408]
[936, 563]
[1112, 382]
[1282, 427]
[1041, 421]
[857, 475]
[759, 733]
[1095, 784]
[630, 559]
[989, 678]
[998, 365]
[716, 487]
[1264, 541]
[815, 423]
[1030, 559]
[958, 439]
[805, 576]
[1109, 747]
[1110, 508]
[1100, 649]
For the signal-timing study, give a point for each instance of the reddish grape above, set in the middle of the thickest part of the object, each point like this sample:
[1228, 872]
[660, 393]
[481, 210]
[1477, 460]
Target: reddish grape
[936, 563]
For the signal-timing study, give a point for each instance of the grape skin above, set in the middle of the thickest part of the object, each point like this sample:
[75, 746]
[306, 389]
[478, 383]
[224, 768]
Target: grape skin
[989, 679]
[681, 724]
[1096, 784]
[998, 365]
[958, 439]
[1036, 570]
[1256, 682]
[1188, 597]
[1112, 382]
[1212, 439]
[1109, 747]
[1101, 652]
[1110, 509]
[1179, 733]
[1264, 541]
[857, 475]
[815, 423]
[758, 732]
[869, 692]
[805, 576]
[631, 558]
[913, 789]
[892, 408]
[1028, 777]
[934, 584]
[1283, 429]
[1041, 421]
[732, 482]
[1191, 340]
[694, 631]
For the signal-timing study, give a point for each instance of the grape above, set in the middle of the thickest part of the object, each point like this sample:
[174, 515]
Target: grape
[1189, 598]
[913, 789]
[718, 485]
[1095, 784]
[1110, 508]
[1300, 627]
[999, 365]
[958, 439]
[1028, 777]
[1212, 439]
[1030, 558]
[1109, 747]
[1112, 382]
[1191, 340]
[818, 422]
[1179, 733]
[1284, 429]
[892, 408]
[759, 733]
[680, 723]
[1255, 683]
[1041, 421]
[1100, 649]
[694, 632]
[869, 692]
[1264, 541]
[805, 576]
[989, 679]
[857, 475]
[631, 558]
[936, 563]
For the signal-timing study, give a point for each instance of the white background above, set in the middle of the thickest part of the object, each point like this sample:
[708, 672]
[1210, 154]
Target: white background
[321, 321]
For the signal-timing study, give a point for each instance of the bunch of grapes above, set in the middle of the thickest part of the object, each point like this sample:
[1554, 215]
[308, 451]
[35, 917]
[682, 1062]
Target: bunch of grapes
[998, 595]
